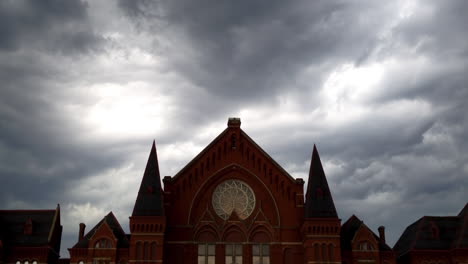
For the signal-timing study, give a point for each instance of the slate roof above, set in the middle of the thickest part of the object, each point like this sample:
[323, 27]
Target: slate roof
[319, 201]
[149, 201]
[123, 239]
[349, 229]
[12, 223]
[435, 233]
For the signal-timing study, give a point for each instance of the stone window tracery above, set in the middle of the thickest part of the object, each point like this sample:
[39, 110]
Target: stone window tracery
[233, 195]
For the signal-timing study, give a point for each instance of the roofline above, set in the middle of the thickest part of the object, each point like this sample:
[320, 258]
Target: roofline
[192, 161]
[52, 227]
[215, 140]
[268, 156]
[449, 216]
[118, 223]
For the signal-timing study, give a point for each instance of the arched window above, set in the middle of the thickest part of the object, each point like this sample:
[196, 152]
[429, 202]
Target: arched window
[153, 251]
[330, 252]
[80, 262]
[26, 262]
[324, 252]
[316, 252]
[18, 262]
[146, 250]
[103, 243]
[366, 246]
[139, 250]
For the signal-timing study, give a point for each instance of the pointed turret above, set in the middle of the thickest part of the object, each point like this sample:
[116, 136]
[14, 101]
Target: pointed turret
[319, 202]
[149, 201]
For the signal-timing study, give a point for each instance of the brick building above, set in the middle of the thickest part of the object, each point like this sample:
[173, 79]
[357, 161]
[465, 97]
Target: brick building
[231, 204]
[30, 236]
[360, 245]
[435, 240]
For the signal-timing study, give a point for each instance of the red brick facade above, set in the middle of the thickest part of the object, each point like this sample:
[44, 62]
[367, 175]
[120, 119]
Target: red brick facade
[30, 236]
[231, 204]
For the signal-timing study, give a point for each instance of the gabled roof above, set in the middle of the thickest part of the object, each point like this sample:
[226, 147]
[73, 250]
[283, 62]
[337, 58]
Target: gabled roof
[114, 225]
[349, 230]
[233, 123]
[12, 226]
[435, 233]
[319, 201]
[464, 211]
[149, 201]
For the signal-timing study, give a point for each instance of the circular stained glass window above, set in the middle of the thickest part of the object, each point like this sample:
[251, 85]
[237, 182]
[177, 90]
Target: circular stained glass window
[233, 195]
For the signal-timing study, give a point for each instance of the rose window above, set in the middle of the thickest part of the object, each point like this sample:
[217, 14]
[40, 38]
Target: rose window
[233, 195]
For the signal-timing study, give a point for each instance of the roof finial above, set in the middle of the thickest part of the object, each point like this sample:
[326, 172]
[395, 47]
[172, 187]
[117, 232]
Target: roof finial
[234, 122]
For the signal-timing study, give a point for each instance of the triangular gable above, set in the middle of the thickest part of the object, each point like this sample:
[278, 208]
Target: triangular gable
[103, 228]
[361, 231]
[113, 224]
[243, 140]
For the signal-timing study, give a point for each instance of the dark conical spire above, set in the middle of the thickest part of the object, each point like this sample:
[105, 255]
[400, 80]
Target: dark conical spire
[319, 202]
[150, 201]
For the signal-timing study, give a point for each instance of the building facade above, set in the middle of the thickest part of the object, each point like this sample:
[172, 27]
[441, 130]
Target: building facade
[360, 245]
[30, 236]
[231, 204]
[435, 240]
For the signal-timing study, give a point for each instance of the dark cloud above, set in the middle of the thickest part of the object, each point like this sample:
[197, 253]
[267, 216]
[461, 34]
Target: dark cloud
[73, 71]
[246, 50]
[48, 25]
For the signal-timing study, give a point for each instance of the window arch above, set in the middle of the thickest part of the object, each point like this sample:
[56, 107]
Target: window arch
[103, 243]
[139, 250]
[153, 251]
[324, 252]
[316, 252]
[146, 250]
[331, 254]
[366, 246]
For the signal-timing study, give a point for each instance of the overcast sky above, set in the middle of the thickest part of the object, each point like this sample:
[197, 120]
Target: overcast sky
[380, 86]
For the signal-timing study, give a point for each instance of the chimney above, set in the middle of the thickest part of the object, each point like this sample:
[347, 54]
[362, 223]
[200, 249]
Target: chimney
[81, 233]
[382, 234]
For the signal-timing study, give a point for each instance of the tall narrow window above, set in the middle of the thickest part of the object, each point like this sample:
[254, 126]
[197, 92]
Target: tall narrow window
[206, 253]
[261, 254]
[324, 253]
[139, 251]
[233, 254]
[316, 251]
[146, 250]
[331, 254]
[153, 251]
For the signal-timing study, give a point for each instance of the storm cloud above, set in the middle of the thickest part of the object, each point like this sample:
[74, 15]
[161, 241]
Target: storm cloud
[381, 88]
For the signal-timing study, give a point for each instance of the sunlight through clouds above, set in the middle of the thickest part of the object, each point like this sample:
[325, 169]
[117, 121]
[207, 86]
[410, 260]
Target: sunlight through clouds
[134, 109]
